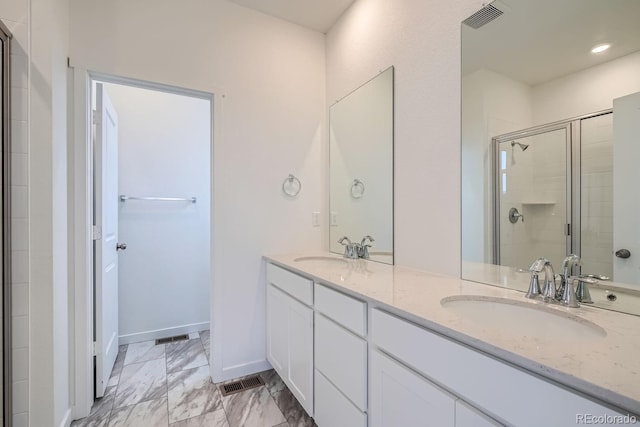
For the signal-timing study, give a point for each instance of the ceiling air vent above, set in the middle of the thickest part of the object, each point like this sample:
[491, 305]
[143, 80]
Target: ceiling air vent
[483, 16]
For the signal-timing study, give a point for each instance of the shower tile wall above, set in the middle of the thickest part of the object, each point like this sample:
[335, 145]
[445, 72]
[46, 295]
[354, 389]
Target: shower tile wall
[597, 195]
[535, 185]
[14, 14]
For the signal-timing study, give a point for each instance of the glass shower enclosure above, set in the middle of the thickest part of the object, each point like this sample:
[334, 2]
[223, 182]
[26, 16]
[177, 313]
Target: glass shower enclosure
[553, 194]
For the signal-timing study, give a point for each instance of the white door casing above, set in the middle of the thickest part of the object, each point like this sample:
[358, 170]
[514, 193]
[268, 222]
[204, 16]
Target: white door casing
[626, 223]
[106, 237]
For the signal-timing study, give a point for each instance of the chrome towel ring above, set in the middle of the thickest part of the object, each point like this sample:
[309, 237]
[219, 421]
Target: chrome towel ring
[291, 186]
[357, 189]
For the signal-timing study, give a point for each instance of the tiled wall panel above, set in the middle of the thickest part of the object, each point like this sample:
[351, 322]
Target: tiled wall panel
[15, 15]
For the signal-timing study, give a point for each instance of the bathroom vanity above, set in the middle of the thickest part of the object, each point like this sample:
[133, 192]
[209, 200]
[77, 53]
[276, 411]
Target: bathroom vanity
[365, 344]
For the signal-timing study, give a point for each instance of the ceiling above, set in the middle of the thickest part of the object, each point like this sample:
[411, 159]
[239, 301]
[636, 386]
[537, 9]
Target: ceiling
[319, 15]
[537, 41]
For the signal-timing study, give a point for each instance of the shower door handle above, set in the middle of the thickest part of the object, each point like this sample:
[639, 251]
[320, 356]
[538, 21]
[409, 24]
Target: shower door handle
[121, 246]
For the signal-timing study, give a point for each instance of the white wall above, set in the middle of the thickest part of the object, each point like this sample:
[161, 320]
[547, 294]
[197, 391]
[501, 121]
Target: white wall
[421, 39]
[586, 91]
[271, 124]
[493, 105]
[48, 293]
[15, 15]
[164, 151]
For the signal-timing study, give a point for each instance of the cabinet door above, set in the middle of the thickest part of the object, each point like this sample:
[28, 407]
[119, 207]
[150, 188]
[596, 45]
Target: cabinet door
[400, 397]
[342, 357]
[466, 416]
[300, 339]
[277, 330]
[333, 409]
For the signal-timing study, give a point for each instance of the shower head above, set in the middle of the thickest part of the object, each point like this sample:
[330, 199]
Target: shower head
[521, 145]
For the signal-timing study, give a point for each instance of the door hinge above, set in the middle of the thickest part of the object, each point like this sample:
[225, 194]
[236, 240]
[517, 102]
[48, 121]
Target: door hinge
[568, 229]
[93, 349]
[96, 232]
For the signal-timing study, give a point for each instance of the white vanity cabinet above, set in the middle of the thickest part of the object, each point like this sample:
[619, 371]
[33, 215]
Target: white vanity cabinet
[340, 359]
[492, 386]
[356, 363]
[290, 331]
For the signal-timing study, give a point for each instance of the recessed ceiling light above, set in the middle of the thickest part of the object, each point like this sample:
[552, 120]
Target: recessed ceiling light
[600, 48]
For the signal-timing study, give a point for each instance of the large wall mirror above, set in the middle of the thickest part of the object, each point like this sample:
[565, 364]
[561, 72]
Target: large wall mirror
[5, 243]
[551, 143]
[361, 167]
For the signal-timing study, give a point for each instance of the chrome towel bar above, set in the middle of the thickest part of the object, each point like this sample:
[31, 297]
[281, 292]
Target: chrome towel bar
[124, 198]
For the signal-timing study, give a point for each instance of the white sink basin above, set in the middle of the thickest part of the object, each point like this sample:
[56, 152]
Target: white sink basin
[322, 260]
[522, 318]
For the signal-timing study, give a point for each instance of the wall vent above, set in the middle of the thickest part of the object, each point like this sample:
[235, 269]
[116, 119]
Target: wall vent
[172, 339]
[241, 385]
[483, 16]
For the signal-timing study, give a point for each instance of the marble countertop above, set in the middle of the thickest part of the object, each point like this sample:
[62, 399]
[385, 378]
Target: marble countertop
[606, 368]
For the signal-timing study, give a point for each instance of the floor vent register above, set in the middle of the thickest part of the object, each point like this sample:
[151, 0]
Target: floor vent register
[241, 385]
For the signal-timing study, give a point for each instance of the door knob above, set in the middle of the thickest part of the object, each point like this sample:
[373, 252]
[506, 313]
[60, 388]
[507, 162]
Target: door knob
[121, 246]
[623, 253]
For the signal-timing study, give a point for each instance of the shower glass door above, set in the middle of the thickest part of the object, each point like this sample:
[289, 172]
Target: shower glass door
[533, 192]
[596, 195]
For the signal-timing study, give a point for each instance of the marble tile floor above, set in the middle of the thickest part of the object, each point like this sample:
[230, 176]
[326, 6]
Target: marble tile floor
[169, 385]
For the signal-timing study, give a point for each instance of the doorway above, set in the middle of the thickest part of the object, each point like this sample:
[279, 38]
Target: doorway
[159, 198]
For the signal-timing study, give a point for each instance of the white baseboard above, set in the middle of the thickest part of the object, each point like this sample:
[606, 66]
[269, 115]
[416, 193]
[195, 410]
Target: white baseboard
[237, 371]
[66, 420]
[162, 333]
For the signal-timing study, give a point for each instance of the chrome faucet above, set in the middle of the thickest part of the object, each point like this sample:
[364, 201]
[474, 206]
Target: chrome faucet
[364, 248]
[534, 284]
[565, 294]
[567, 270]
[549, 292]
[570, 297]
[582, 290]
[350, 250]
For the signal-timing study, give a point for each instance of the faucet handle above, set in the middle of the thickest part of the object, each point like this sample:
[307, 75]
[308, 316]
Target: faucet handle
[582, 290]
[538, 265]
[549, 292]
[348, 247]
[364, 251]
[569, 297]
[534, 286]
[365, 238]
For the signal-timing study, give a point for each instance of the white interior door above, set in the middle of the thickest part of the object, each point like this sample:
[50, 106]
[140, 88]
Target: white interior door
[106, 238]
[626, 203]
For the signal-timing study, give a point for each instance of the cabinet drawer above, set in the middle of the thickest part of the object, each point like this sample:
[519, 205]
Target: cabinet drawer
[497, 388]
[342, 358]
[298, 287]
[349, 312]
[332, 409]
